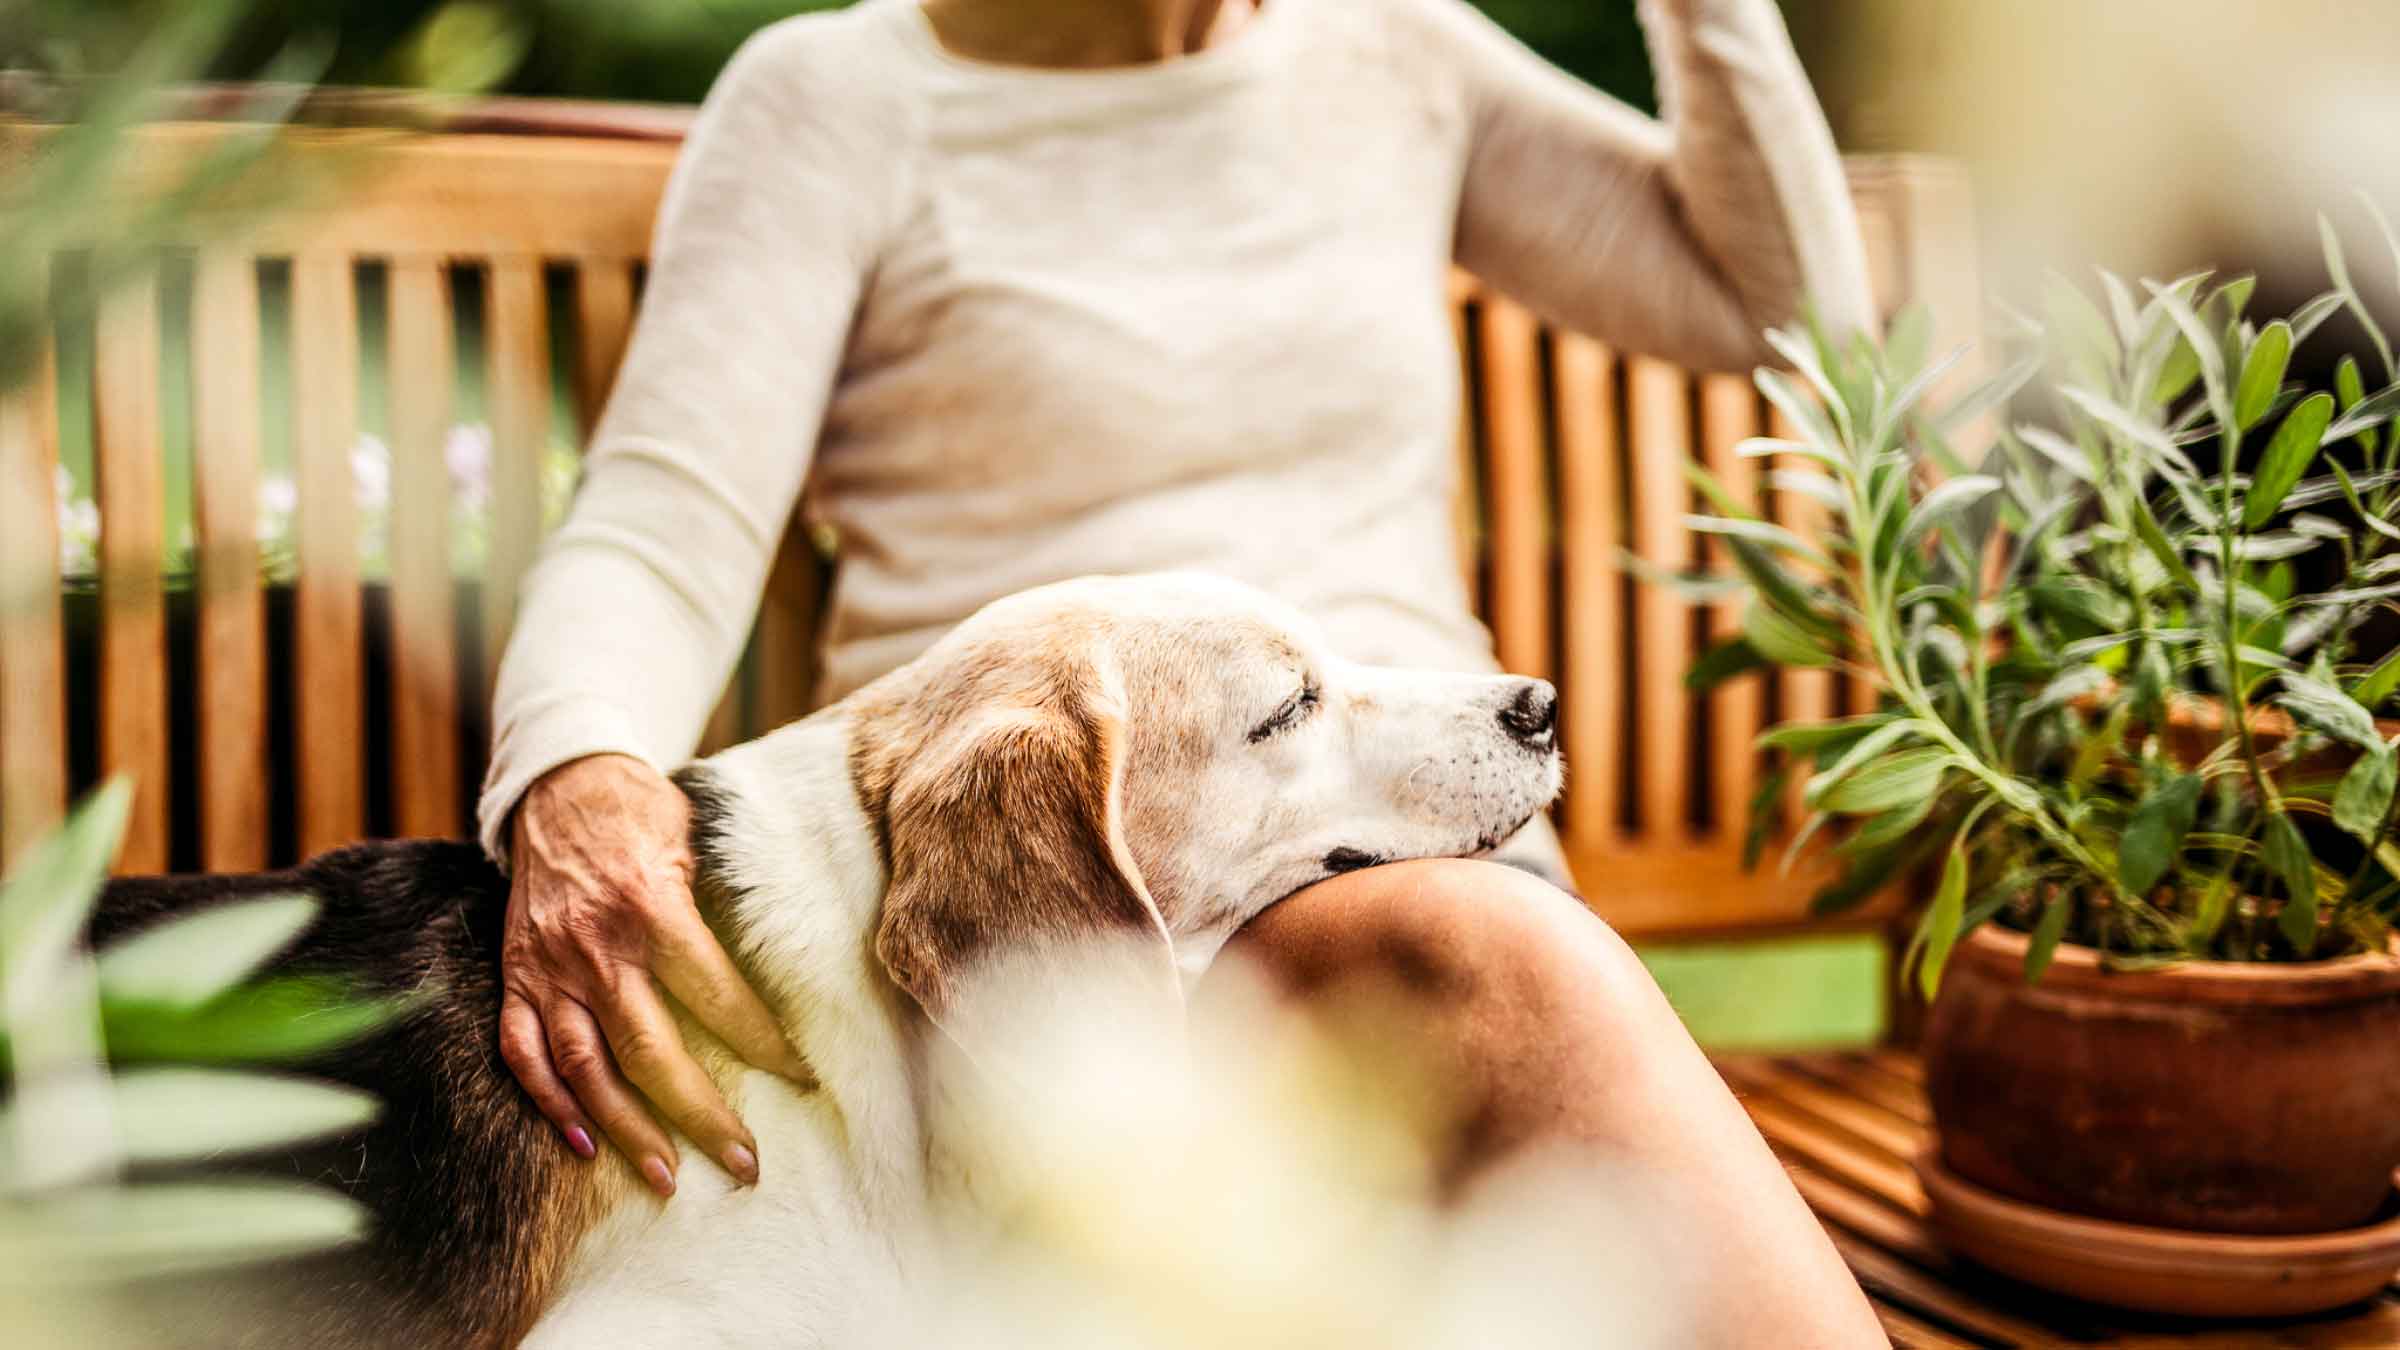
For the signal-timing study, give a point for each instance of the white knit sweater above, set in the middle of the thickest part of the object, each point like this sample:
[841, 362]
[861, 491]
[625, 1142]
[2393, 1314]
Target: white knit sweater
[1023, 324]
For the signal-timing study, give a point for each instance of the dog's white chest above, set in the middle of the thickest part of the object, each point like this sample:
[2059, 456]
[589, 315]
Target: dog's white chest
[816, 1255]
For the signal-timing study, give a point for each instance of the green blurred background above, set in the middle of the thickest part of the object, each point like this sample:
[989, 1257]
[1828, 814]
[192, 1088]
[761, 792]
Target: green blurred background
[658, 50]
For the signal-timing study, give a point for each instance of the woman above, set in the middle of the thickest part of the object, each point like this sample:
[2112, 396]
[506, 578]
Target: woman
[1036, 288]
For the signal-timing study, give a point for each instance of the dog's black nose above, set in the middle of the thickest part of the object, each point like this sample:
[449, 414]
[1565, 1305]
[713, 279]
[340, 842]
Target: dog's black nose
[1532, 716]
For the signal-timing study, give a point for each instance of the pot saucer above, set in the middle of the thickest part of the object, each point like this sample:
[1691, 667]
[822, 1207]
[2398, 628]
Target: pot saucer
[2161, 1270]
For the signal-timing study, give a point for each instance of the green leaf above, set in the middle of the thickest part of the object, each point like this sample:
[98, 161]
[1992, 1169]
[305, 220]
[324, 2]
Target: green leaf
[2287, 457]
[1953, 495]
[1733, 656]
[1778, 639]
[2339, 269]
[2046, 933]
[276, 1020]
[1989, 395]
[190, 960]
[1763, 532]
[2145, 526]
[2378, 685]
[1942, 920]
[2368, 413]
[179, 1114]
[1883, 830]
[2176, 376]
[1766, 804]
[1907, 339]
[2286, 856]
[2262, 374]
[1778, 586]
[2363, 799]
[2321, 706]
[118, 1233]
[44, 903]
[2079, 329]
[1806, 738]
[1855, 756]
[2348, 383]
[1888, 782]
[2155, 834]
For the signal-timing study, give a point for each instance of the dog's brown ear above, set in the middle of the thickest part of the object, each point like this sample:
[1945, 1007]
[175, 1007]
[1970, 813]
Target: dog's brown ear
[1011, 886]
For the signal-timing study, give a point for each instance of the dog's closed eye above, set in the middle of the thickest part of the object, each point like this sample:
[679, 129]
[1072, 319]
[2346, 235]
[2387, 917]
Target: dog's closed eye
[1294, 710]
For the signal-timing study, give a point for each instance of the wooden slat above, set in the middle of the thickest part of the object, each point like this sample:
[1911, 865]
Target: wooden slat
[1737, 708]
[517, 350]
[1837, 1153]
[1807, 695]
[1846, 1073]
[785, 686]
[1887, 1278]
[1908, 1333]
[728, 722]
[1515, 491]
[1658, 890]
[233, 632]
[1592, 674]
[33, 685]
[425, 794]
[374, 193]
[1839, 1205]
[131, 488]
[1659, 434]
[1894, 1134]
[603, 325]
[1898, 1064]
[329, 721]
[1467, 501]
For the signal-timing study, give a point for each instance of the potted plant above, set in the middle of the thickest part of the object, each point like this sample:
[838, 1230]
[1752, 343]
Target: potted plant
[2131, 658]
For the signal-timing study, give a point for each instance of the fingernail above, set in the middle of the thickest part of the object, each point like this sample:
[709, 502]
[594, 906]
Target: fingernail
[654, 1170]
[581, 1142]
[742, 1163]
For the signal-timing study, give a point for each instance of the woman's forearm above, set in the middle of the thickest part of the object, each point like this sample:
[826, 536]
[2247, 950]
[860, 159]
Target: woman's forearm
[1681, 237]
[643, 598]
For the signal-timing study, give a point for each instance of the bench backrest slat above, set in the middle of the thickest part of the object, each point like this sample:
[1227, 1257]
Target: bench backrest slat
[424, 671]
[231, 646]
[329, 678]
[129, 484]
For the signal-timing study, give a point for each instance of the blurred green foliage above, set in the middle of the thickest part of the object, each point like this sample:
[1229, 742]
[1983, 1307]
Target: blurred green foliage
[666, 50]
[118, 1072]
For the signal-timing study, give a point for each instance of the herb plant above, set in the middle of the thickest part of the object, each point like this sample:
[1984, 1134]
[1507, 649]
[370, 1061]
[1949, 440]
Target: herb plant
[2125, 647]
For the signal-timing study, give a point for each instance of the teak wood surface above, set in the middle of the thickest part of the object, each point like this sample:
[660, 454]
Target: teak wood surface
[1846, 1126]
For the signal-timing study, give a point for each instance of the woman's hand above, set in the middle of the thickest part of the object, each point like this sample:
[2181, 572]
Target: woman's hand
[600, 915]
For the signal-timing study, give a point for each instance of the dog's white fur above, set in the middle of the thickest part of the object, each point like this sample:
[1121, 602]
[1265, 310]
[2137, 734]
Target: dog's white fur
[1212, 815]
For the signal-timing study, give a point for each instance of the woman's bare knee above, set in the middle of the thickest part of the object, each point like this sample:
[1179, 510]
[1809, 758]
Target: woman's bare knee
[1444, 929]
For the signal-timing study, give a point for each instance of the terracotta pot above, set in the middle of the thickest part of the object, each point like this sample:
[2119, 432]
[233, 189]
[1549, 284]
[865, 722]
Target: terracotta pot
[2160, 1270]
[2196, 726]
[2214, 1096]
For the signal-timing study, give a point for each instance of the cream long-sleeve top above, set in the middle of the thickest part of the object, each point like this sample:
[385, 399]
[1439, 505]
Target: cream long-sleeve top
[1024, 324]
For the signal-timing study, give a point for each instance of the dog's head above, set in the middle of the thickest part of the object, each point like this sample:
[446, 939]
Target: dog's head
[1151, 760]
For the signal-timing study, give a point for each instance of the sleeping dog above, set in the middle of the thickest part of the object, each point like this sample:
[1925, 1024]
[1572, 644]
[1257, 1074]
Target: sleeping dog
[1112, 773]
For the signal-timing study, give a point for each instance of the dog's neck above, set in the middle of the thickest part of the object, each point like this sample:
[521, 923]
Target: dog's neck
[789, 869]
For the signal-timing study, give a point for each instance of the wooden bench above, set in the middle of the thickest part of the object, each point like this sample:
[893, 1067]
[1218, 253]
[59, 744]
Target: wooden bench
[342, 705]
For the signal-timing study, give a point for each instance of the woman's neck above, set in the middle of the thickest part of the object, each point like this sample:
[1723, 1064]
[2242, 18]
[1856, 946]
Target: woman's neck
[1084, 34]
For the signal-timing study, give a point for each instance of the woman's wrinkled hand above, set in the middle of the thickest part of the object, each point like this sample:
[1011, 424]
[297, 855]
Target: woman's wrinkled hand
[600, 919]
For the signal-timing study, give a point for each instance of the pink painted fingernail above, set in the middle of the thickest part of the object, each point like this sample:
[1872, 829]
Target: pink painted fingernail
[654, 1170]
[581, 1142]
[742, 1163]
